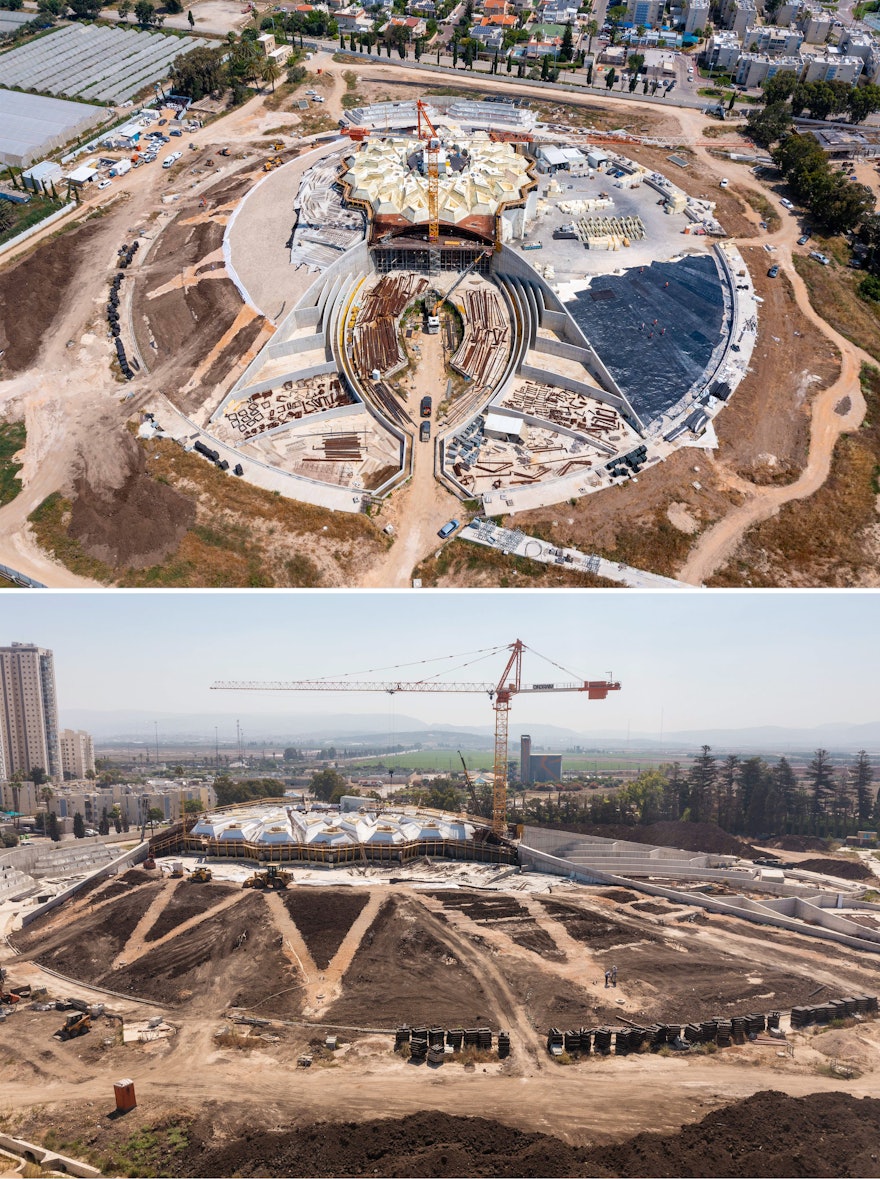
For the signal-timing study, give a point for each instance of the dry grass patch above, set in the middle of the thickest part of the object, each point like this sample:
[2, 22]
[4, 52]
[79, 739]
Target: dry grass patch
[833, 294]
[242, 535]
[833, 537]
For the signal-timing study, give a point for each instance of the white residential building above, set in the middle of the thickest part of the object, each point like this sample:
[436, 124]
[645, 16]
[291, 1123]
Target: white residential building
[696, 15]
[815, 24]
[77, 753]
[742, 17]
[724, 50]
[773, 40]
[753, 69]
[831, 67]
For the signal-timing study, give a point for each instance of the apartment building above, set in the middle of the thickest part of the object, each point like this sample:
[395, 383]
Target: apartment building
[77, 753]
[753, 69]
[832, 67]
[773, 40]
[28, 712]
[696, 15]
[724, 50]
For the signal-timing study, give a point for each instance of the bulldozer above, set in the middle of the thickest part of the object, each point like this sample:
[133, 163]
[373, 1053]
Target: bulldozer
[75, 1025]
[272, 877]
[200, 875]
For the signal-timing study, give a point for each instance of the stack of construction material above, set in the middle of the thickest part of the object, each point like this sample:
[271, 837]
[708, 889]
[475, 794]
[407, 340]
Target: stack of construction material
[755, 1024]
[418, 1044]
[709, 1030]
[602, 1040]
[454, 1038]
[738, 1029]
[436, 1037]
[484, 1041]
[622, 1043]
[723, 1032]
[401, 1036]
[555, 1042]
[773, 1019]
[436, 1054]
[693, 1033]
[503, 1045]
[572, 1041]
[586, 1038]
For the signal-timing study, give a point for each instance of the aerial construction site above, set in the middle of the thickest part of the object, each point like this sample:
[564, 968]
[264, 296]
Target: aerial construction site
[423, 309]
[289, 986]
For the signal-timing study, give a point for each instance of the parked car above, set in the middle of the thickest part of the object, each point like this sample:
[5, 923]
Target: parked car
[448, 529]
[425, 432]
[803, 239]
[773, 272]
[724, 182]
[823, 258]
[104, 183]
[786, 203]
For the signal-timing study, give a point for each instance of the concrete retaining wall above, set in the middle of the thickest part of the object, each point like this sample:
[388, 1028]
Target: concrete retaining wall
[124, 861]
[744, 907]
[49, 1160]
[21, 238]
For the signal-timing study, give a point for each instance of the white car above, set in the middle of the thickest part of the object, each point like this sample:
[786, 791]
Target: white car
[786, 204]
[104, 183]
[318, 98]
[724, 183]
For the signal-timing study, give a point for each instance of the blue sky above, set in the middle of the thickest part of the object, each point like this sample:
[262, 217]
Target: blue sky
[715, 659]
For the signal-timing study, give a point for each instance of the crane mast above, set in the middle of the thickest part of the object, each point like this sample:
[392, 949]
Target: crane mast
[501, 694]
[428, 132]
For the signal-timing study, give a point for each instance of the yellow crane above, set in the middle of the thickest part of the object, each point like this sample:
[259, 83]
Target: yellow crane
[501, 694]
[428, 132]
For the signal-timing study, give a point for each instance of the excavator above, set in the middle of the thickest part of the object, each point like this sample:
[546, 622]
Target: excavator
[271, 878]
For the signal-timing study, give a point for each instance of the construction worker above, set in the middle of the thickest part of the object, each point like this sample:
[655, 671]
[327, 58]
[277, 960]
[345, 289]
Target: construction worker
[614, 976]
[607, 977]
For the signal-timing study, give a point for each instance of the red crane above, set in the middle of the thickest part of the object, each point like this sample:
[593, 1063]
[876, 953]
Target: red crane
[501, 694]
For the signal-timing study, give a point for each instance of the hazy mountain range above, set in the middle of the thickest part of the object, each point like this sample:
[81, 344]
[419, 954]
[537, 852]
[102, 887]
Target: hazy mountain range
[373, 728]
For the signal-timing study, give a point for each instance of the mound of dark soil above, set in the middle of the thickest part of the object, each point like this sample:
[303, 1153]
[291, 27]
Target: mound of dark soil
[134, 525]
[324, 916]
[845, 869]
[424, 1144]
[695, 837]
[33, 295]
[769, 1134]
[797, 843]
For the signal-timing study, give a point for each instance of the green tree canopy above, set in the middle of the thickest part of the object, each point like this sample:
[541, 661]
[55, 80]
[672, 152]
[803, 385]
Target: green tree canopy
[325, 782]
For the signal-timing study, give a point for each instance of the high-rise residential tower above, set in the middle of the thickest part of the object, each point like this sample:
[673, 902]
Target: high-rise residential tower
[28, 712]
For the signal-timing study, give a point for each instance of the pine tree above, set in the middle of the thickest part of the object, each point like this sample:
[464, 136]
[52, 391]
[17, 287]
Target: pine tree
[863, 777]
[79, 827]
[52, 828]
[820, 780]
[701, 787]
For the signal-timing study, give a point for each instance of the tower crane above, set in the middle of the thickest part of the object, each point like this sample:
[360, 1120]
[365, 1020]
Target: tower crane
[501, 694]
[428, 131]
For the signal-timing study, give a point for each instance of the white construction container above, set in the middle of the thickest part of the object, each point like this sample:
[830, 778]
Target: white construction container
[120, 168]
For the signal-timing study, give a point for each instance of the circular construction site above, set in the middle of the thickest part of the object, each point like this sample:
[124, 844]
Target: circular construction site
[540, 315]
[272, 941]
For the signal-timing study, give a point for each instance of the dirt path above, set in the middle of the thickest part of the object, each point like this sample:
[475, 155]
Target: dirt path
[418, 511]
[133, 951]
[597, 1101]
[719, 542]
[135, 946]
[455, 934]
[295, 949]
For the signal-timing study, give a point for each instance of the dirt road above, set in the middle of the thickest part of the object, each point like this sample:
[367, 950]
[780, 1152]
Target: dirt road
[423, 505]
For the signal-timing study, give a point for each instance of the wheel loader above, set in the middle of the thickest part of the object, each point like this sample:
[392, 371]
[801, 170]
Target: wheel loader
[272, 877]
